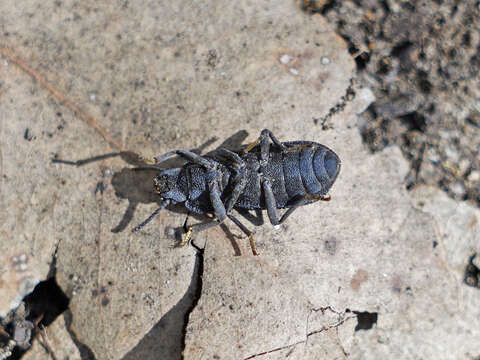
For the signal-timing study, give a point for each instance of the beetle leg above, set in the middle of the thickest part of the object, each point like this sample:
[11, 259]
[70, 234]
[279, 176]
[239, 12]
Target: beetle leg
[216, 201]
[234, 157]
[299, 147]
[270, 202]
[246, 232]
[256, 220]
[295, 205]
[162, 206]
[197, 228]
[218, 208]
[190, 156]
[302, 201]
[264, 144]
[240, 179]
[238, 187]
[288, 213]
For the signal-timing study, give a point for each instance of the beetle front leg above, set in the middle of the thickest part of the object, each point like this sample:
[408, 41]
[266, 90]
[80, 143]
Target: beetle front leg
[245, 231]
[218, 208]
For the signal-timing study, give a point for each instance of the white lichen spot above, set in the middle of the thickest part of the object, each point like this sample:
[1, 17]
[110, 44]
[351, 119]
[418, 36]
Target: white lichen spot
[108, 172]
[92, 97]
[293, 71]
[458, 189]
[285, 59]
[325, 60]
[474, 176]
[276, 227]
[19, 263]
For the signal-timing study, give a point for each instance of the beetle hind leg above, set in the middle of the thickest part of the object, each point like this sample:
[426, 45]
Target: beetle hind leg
[197, 228]
[246, 232]
[307, 199]
[264, 144]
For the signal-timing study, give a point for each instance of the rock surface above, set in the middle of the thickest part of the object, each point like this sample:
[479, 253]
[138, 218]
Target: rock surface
[371, 272]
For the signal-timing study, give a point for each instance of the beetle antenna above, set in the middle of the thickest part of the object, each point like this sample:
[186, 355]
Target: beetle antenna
[151, 217]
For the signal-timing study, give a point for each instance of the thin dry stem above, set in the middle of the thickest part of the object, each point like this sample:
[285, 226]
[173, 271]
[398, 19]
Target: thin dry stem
[59, 97]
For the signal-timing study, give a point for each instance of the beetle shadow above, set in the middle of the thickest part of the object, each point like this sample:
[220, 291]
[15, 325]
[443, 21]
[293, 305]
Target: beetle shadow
[136, 185]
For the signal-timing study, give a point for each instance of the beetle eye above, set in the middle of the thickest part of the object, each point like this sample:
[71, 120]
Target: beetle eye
[332, 165]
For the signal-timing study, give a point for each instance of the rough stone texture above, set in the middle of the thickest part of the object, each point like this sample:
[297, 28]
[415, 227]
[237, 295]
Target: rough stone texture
[27, 222]
[458, 226]
[154, 85]
[164, 75]
[436, 319]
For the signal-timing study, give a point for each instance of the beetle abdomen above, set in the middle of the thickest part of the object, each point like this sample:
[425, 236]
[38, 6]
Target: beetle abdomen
[308, 168]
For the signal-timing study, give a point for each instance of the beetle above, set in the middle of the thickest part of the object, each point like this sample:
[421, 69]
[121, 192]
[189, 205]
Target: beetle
[265, 175]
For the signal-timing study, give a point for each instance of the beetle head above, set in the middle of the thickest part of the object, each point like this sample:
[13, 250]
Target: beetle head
[166, 185]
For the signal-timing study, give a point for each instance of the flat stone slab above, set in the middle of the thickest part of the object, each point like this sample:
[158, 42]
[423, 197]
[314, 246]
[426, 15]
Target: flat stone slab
[372, 271]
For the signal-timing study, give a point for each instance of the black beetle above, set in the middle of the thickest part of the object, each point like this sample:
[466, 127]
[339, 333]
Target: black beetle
[262, 176]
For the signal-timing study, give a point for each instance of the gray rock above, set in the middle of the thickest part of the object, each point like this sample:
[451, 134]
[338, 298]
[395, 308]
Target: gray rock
[358, 274]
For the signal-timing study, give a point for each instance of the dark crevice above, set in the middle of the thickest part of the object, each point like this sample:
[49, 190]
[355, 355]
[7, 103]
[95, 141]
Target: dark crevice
[327, 7]
[37, 311]
[401, 48]
[311, 7]
[365, 320]
[414, 121]
[167, 337]
[362, 60]
[47, 301]
[198, 291]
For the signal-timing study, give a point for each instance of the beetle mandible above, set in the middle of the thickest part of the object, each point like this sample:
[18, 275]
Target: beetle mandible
[263, 175]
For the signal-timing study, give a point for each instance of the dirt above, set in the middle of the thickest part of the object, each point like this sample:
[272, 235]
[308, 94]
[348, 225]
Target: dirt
[421, 59]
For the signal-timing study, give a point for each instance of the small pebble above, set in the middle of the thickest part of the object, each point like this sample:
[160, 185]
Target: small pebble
[458, 189]
[325, 60]
[474, 176]
[285, 59]
[294, 71]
